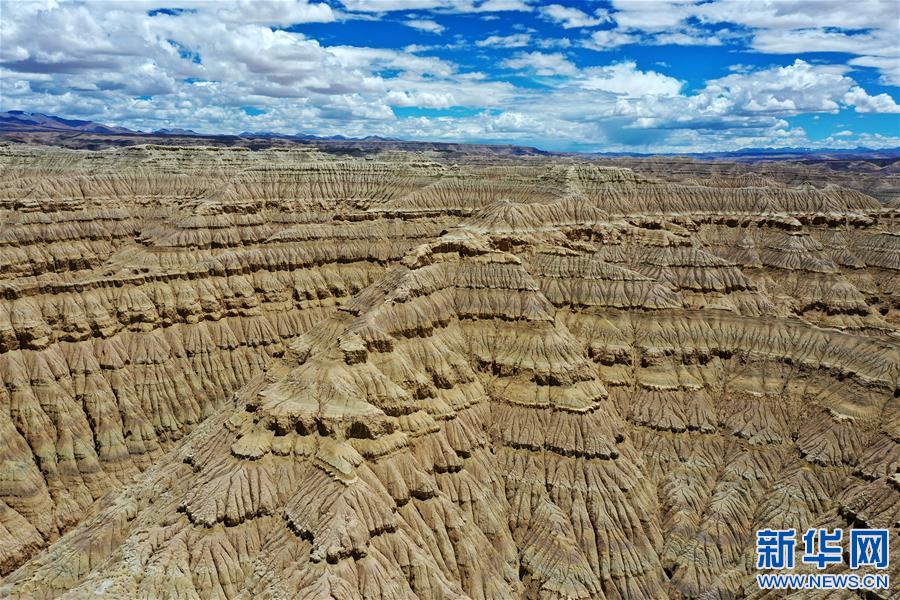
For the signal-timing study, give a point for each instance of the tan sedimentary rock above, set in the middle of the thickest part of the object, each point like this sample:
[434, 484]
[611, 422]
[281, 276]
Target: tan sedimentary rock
[290, 375]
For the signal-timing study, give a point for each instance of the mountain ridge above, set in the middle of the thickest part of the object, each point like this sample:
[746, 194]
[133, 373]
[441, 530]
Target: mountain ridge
[24, 121]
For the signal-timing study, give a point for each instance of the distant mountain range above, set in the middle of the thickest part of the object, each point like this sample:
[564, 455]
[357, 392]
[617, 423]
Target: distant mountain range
[307, 136]
[175, 131]
[18, 121]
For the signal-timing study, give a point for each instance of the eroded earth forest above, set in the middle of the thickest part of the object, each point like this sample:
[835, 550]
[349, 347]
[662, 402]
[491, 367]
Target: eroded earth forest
[288, 373]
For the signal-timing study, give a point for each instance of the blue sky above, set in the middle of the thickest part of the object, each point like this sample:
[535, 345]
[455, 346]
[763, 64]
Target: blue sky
[615, 75]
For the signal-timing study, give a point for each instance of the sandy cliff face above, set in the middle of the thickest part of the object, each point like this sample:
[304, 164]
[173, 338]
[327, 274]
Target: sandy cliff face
[233, 374]
[878, 177]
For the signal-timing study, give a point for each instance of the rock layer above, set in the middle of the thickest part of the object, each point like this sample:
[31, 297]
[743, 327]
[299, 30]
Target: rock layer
[233, 374]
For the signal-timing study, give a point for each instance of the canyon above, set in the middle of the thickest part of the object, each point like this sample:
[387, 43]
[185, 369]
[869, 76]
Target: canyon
[300, 371]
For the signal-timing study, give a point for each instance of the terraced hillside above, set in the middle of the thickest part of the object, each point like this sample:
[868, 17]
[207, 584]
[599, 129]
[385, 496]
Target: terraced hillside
[238, 374]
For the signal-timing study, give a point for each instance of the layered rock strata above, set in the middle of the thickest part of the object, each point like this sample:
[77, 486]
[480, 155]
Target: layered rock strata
[233, 374]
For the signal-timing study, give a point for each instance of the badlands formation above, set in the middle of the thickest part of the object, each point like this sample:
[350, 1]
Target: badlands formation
[288, 374]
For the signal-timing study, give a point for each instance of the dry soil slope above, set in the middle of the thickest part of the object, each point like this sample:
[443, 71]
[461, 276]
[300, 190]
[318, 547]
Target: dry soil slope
[562, 382]
[140, 288]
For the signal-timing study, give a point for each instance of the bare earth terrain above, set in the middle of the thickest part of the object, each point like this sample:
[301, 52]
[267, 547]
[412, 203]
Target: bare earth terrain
[290, 372]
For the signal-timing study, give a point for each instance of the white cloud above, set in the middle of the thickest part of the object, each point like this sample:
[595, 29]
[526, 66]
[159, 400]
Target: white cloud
[621, 105]
[868, 29]
[425, 25]
[889, 67]
[651, 15]
[460, 6]
[877, 43]
[423, 99]
[569, 18]
[516, 40]
[864, 103]
[555, 43]
[858, 140]
[198, 68]
[794, 89]
[503, 6]
[661, 15]
[685, 38]
[605, 39]
[277, 12]
[380, 6]
[877, 48]
[626, 80]
[544, 64]
[796, 14]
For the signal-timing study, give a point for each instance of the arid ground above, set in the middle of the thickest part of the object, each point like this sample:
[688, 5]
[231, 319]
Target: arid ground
[390, 372]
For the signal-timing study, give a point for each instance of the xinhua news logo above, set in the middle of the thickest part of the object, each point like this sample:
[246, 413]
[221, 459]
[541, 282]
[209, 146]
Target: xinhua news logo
[866, 549]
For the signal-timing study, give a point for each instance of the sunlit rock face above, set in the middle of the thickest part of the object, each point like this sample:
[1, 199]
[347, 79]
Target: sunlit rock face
[273, 374]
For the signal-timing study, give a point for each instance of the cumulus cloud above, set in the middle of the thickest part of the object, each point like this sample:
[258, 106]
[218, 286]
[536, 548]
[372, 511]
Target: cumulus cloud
[609, 38]
[421, 99]
[516, 40]
[425, 25]
[625, 79]
[569, 17]
[868, 29]
[196, 68]
[544, 64]
[277, 12]
[788, 15]
[460, 6]
[200, 63]
[554, 43]
[864, 103]
[686, 37]
[794, 89]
